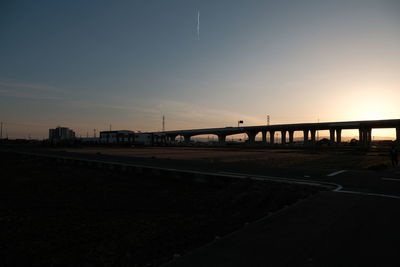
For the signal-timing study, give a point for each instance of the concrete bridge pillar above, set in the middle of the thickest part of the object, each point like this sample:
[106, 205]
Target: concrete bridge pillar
[163, 140]
[264, 137]
[332, 135]
[186, 138]
[313, 132]
[172, 138]
[338, 136]
[252, 137]
[283, 137]
[365, 137]
[221, 139]
[361, 136]
[305, 135]
[271, 137]
[369, 136]
[291, 135]
[398, 135]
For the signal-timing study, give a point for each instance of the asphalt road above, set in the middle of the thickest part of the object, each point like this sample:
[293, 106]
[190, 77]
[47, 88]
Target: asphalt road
[329, 229]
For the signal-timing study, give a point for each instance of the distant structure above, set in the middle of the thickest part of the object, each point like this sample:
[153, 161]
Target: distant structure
[61, 134]
[149, 139]
[117, 137]
[130, 137]
[281, 132]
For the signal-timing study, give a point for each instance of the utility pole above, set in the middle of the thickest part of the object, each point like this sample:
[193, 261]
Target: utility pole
[163, 123]
[268, 120]
[94, 133]
[110, 127]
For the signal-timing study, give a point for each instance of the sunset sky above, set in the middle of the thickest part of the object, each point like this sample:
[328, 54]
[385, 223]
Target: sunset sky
[88, 64]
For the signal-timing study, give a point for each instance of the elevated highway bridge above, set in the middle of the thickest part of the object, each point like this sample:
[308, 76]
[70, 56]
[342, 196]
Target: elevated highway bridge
[287, 131]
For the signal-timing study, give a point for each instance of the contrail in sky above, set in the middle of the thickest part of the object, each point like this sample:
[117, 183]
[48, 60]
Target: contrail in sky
[198, 25]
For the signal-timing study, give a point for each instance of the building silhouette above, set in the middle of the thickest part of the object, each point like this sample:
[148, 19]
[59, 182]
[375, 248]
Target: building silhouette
[60, 134]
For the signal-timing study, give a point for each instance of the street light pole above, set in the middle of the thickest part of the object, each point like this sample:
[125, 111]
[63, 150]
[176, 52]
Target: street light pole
[241, 122]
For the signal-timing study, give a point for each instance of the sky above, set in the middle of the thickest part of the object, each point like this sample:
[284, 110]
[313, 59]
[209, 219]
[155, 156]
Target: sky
[89, 64]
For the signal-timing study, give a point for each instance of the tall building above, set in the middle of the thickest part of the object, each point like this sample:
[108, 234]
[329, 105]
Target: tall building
[61, 134]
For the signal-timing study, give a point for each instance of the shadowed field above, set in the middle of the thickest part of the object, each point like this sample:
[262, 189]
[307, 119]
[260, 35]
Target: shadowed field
[325, 159]
[68, 215]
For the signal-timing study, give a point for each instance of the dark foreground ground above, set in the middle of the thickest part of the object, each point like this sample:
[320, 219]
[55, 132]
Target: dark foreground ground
[67, 215]
[326, 230]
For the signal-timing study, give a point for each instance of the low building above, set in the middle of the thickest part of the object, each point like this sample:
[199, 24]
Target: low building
[61, 134]
[117, 137]
[144, 139]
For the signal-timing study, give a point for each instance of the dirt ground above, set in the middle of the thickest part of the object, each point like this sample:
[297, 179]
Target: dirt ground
[283, 158]
[54, 214]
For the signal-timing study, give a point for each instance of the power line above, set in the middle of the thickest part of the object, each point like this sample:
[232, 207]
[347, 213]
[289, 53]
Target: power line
[28, 124]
